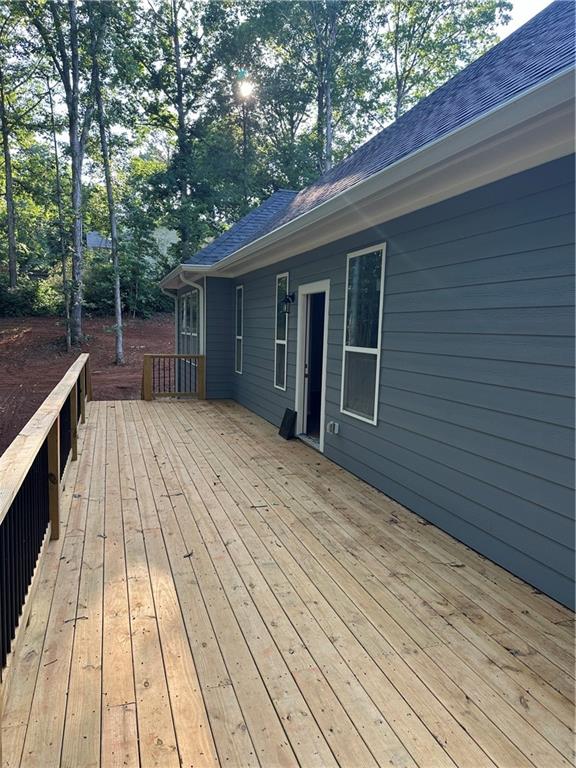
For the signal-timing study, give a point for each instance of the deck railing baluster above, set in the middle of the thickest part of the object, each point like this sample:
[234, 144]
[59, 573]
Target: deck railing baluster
[31, 473]
[165, 375]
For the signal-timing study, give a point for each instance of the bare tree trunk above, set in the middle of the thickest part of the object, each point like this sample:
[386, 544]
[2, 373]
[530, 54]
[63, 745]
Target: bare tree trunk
[182, 142]
[111, 215]
[329, 56]
[65, 56]
[77, 253]
[63, 258]
[329, 132]
[324, 19]
[9, 194]
[320, 107]
[76, 152]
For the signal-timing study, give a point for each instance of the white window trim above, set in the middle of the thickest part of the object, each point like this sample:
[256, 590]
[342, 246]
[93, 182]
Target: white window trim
[183, 300]
[368, 350]
[276, 339]
[239, 337]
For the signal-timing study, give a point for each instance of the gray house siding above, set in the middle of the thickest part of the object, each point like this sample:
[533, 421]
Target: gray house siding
[219, 312]
[476, 409]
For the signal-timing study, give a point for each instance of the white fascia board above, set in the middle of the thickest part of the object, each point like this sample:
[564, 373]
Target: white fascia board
[183, 275]
[533, 128]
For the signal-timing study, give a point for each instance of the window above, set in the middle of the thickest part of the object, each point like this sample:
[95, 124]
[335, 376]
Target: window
[194, 321]
[362, 333]
[239, 327]
[184, 324]
[189, 342]
[281, 333]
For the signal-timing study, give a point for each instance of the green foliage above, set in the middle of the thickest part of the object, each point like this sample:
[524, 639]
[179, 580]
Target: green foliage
[33, 296]
[193, 159]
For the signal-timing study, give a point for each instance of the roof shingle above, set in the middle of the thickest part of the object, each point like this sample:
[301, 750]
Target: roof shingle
[245, 230]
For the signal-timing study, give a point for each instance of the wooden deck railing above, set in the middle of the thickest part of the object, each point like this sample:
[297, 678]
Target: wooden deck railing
[32, 475]
[174, 376]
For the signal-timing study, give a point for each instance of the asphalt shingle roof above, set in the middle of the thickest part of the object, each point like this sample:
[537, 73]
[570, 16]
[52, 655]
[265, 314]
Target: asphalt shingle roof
[245, 230]
[535, 52]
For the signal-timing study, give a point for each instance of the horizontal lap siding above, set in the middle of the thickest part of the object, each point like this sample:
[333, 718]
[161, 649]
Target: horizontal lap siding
[476, 392]
[219, 338]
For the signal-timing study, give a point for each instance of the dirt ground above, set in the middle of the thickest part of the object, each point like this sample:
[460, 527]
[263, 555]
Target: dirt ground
[33, 359]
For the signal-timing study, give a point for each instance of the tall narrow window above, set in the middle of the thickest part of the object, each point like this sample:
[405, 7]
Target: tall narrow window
[194, 322]
[185, 324]
[281, 337]
[239, 327]
[189, 341]
[362, 333]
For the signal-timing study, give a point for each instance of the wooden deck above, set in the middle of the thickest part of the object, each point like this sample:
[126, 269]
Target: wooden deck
[223, 597]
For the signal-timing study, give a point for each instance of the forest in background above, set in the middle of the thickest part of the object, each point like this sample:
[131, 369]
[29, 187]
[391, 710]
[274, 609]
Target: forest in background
[130, 117]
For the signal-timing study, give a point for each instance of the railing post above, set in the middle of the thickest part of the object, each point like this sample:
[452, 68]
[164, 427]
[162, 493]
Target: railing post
[201, 377]
[53, 444]
[147, 378]
[83, 395]
[74, 421]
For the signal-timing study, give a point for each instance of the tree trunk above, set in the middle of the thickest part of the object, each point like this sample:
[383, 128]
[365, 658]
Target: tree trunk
[111, 215]
[77, 252]
[329, 58]
[328, 127]
[65, 286]
[76, 153]
[182, 142]
[66, 58]
[324, 19]
[320, 123]
[9, 194]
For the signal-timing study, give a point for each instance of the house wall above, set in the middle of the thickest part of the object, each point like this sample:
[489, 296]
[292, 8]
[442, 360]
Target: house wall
[220, 299]
[476, 402]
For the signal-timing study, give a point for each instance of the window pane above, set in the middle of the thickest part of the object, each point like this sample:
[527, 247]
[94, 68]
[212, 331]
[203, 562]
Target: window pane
[281, 316]
[194, 302]
[360, 383]
[280, 380]
[364, 273]
[238, 355]
[183, 314]
[239, 293]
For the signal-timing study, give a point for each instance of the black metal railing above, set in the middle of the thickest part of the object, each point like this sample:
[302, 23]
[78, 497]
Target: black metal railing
[21, 535]
[65, 435]
[31, 478]
[173, 376]
[79, 395]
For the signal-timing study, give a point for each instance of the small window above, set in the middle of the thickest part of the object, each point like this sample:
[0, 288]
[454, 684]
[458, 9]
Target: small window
[239, 327]
[281, 337]
[362, 333]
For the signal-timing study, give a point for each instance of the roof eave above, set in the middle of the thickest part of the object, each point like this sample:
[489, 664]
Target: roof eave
[532, 128]
[183, 275]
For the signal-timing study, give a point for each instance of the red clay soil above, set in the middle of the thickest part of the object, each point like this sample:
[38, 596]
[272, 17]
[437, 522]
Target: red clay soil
[33, 359]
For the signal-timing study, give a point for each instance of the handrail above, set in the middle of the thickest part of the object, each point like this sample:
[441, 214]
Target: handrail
[17, 459]
[32, 475]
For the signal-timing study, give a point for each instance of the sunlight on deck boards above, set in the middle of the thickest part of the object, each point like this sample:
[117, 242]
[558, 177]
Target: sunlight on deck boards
[222, 597]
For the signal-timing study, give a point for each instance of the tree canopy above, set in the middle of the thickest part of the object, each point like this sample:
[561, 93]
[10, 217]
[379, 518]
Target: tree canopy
[146, 117]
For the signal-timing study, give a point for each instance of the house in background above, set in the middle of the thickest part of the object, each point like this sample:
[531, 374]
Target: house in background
[415, 307]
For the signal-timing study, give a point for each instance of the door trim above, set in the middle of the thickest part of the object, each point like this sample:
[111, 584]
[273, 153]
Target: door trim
[320, 286]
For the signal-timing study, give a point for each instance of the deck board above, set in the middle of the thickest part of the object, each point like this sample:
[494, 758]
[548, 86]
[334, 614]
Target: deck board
[222, 597]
